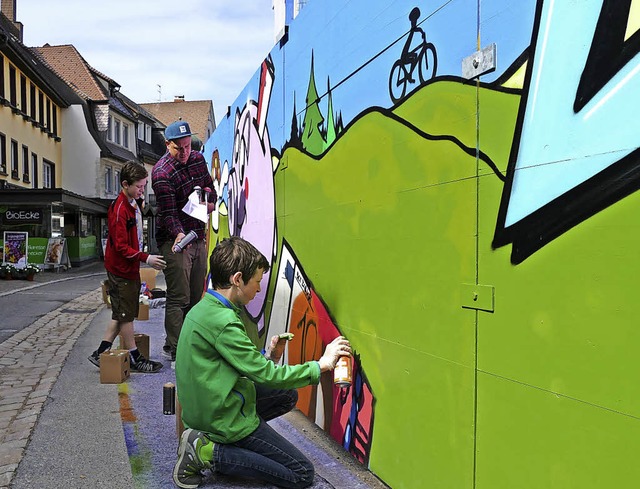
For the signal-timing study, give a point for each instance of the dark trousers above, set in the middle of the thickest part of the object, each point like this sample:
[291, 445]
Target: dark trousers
[264, 454]
[185, 279]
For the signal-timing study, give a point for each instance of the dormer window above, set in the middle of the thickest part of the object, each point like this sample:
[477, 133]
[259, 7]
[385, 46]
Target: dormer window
[118, 131]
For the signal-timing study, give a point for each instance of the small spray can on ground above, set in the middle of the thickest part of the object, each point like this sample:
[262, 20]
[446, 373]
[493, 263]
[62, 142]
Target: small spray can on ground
[169, 398]
[342, 372]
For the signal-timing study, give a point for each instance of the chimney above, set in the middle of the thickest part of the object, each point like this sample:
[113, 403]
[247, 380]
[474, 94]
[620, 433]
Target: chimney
[9, 9]
[178, 98]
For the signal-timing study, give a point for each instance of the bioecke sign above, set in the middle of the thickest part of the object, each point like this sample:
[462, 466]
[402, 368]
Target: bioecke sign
[22, 216]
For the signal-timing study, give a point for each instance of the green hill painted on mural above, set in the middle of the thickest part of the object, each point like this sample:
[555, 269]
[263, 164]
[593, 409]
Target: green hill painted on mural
[449, 108]
[384, 149]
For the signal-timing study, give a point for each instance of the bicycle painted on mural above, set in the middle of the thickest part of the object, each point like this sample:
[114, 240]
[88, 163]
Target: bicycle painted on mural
[417, 56]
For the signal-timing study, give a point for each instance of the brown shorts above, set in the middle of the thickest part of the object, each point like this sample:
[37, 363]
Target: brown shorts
[124, 294]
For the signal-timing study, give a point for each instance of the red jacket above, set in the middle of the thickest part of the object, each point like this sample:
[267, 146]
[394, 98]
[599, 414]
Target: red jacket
[122, 256]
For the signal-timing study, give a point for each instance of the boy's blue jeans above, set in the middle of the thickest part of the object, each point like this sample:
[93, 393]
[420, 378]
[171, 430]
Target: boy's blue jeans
[264, 454]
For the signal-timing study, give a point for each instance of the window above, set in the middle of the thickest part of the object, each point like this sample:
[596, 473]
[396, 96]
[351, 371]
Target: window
[125, 135]
[40, 107]
[108, 180]
[48, 174]
[3, 154]
[147, 133]
[34, 170]
[48, 115]
[141, 127]
[14, 160]
[25, 164]
[32, 111]
[116, 180]
[55, 120]
[119, 132]
[1, 76]
[13, 93]
[23, 94]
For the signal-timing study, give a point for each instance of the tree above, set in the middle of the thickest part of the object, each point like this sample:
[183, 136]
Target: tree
[331, 128]
[294, 139]
[312, 139]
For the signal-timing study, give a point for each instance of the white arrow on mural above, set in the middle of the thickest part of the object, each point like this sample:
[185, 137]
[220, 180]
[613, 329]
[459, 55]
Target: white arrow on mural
[559, 147]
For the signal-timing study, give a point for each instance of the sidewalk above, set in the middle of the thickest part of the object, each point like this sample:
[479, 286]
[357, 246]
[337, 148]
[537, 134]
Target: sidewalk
[60, 426]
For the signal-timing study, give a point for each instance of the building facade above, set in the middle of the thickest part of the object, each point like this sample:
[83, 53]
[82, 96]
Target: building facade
[65, 133]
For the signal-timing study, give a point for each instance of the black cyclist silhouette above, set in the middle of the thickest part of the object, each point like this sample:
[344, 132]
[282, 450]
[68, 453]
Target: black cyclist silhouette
[416, 53]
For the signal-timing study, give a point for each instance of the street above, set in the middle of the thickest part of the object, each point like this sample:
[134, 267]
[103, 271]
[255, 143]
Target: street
[38, 298]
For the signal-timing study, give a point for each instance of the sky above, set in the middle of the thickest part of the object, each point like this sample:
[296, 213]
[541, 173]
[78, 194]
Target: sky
[204, 50]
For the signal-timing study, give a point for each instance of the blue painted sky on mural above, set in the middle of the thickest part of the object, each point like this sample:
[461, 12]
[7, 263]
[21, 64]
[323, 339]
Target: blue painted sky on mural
[196, 48]
[368, 55]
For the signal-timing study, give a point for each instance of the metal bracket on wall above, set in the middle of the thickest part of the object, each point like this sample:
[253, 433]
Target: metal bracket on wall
[480, 62]
[480, 297]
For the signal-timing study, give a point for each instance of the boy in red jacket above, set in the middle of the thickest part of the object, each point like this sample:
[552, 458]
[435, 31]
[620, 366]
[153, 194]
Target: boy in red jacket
[122, 259]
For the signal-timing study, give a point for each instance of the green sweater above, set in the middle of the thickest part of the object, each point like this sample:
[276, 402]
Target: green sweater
[216, 368]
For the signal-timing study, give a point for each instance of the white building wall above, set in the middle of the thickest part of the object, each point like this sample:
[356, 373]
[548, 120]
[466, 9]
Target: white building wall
[80, 155]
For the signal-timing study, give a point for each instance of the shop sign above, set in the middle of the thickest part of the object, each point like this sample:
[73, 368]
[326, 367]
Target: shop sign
[22, 216]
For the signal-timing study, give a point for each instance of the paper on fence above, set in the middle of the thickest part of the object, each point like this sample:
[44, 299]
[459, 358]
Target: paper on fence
[195, 209]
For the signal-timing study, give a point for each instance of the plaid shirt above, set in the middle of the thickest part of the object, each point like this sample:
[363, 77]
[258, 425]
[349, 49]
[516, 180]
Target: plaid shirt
[172, 183]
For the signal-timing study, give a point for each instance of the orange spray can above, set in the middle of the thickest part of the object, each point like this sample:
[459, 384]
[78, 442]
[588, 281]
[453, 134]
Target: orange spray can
[342, 372]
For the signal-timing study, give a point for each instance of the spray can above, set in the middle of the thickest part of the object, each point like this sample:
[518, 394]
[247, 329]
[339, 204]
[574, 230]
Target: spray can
[342, 372]
[169, 398]
[191, 235]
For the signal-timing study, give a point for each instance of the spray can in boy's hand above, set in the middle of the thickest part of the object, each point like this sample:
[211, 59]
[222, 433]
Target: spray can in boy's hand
[191, 235]
[342, 372]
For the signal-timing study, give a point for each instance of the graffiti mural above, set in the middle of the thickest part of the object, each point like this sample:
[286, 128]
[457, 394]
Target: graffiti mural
[473, 239]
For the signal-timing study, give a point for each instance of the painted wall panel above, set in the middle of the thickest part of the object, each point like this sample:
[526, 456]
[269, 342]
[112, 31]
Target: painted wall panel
[540, 439]
[384, 189]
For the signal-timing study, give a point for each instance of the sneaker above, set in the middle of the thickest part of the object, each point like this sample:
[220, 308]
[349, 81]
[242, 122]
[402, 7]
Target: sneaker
[187, 471]
[95, 358]
[145, 366]
[169, 353]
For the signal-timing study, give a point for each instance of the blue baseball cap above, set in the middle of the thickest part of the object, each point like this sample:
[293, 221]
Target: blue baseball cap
[177, 130]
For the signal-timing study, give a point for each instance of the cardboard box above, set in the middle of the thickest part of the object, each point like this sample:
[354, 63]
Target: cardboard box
[143, 312]
[105, 293]
[148, 275]
[114, 366]
[142, 343]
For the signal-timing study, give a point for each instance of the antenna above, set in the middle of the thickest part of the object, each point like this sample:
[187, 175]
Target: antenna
[159, 93]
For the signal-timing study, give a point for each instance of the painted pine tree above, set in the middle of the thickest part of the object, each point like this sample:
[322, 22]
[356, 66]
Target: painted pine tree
[331, 127]
[312, 139]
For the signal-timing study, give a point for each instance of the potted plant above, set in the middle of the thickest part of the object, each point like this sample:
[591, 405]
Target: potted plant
[18, 273]
[31, 270]
[7, 271]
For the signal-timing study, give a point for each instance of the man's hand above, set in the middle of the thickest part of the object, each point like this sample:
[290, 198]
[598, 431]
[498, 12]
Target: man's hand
[337, 348]
[157, 262]
[176, 241]
[211, 205]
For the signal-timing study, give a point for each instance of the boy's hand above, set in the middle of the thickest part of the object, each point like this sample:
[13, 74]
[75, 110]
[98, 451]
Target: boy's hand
[157, 262]
[276, 346]
[337, 348]
[271, 349]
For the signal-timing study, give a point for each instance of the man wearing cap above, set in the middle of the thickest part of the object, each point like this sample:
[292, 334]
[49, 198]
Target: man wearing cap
[174, 178]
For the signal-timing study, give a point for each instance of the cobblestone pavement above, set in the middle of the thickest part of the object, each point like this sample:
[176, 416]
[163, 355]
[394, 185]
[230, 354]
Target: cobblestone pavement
[30, 362]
